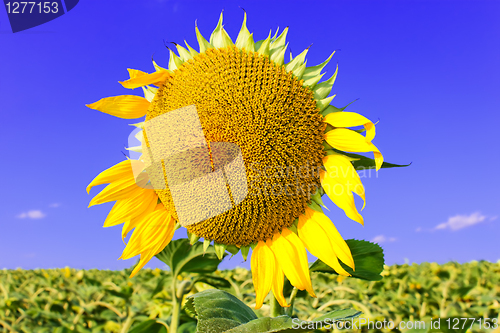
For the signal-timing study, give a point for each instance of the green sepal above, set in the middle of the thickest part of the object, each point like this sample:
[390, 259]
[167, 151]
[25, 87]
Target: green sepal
[278, 55]
[363, 162]
[299, 70]
[312, 81]
[253, 245]
[279, 42]
[316, 70]
[316, 197]
[314, 206]
[206, 244]
[174, 61]
[158, 68]
[191, 50]
[331, 109]
[264, 46]
[297, 61]
[293, 228]
[323, 103]
[184, 54]
[203, 43]
[220, 250]
[233, 249]
[245, 38]
[219, 37]
[193, 239]
[324, 88]
[149, 94]
[244, 251]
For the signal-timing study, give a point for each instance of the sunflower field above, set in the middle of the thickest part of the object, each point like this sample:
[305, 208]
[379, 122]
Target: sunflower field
[70, 300]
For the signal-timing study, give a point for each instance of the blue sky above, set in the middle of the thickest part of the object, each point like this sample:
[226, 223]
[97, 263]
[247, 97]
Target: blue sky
[428, 70]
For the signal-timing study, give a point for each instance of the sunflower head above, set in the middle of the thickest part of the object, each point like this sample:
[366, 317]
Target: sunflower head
[238, 145]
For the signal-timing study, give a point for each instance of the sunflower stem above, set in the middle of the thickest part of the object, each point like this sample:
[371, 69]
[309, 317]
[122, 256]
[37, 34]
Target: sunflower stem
[293, 294]
[276, 309]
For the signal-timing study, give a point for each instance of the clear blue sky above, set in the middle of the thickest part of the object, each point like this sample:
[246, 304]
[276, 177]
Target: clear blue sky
[429, 70]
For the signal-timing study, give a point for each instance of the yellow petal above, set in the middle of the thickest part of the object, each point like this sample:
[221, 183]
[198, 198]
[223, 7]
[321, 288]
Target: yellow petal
[152, 238]
[150, 234]
[292, 257]
[323, 240]
[119, 190]
[125, 106]
[263, 270]
[339, 181]
[156, 78]
[124, 169]
[351, 119]
[278, 282]
[135, 221]
[130, 208]
[351, 141]
[133, 73]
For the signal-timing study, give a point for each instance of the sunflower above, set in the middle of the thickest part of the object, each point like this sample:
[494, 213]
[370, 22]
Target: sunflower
[291, 141]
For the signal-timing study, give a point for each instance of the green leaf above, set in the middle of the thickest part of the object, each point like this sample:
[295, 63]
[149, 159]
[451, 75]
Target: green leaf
[149, 326]
[285, 324]
[189, 327]
[368, 261]
[363, 162]
[215, 281]
[218, 311]
[180, 256]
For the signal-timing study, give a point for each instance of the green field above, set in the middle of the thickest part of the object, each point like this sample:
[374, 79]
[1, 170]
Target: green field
[69, 300]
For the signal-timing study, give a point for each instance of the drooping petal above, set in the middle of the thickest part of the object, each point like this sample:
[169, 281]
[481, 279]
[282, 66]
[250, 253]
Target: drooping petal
[156, 78]
[351, 119]
[135, 221]
[324, 241]
[124, 169]
[125, 106]
[148, 234]
[351, 141]
[150, 238]
[292, 257]
[130, 208]
[263, 271]
[278, 282]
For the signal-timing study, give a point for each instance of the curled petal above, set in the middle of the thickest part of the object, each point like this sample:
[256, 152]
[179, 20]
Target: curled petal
[278, 282]
[351, 119]
[351, 141]
[156, 78]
